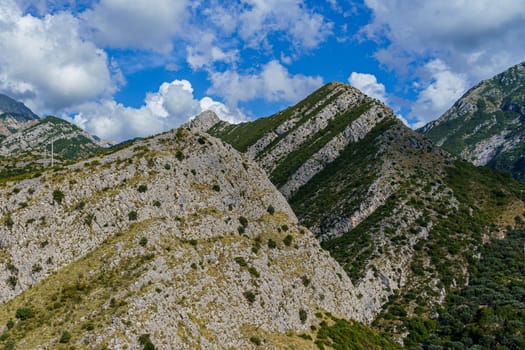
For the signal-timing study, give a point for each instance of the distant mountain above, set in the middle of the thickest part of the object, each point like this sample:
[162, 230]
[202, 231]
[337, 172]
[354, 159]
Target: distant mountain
[13, 116]
[401, 216]
[15, 109]
[487, 125]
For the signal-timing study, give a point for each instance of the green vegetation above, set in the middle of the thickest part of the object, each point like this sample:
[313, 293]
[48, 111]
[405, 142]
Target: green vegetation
[142, 188]
[146, 342]
[270, 209]
[250, 296]
[243, 135]
[487, 314]
[132, 215]
[58, 196]
[498, 111]
[65, 337]
[340, 334]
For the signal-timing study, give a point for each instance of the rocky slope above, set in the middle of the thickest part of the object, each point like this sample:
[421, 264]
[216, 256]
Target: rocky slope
[29, 148]
[487, 125]
[13, 116]
[176, 241]
[401, 216]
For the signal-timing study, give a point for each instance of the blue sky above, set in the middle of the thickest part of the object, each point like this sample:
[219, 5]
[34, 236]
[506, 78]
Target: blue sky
[122, 69]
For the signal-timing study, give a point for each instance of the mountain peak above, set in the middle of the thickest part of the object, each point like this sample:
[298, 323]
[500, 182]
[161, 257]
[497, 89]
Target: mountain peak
[486, 125]
[15, 109]
[204, 121]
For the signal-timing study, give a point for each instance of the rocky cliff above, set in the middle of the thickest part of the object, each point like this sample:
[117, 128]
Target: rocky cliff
[176, 240]
[486, 126]
[401, 216]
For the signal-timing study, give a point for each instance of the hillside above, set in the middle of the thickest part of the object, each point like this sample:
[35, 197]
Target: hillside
[486, 126]
[402, 217]
[13, 116]
[176, 241]
[29, 148]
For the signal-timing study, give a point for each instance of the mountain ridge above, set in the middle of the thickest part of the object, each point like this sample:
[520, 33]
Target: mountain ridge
[486, 126]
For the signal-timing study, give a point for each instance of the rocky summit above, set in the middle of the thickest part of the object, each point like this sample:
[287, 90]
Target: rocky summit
[486, 126]
[401, 216]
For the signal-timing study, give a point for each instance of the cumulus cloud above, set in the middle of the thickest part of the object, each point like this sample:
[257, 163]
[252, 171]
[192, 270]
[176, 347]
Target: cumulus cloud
[143, 24]
[368, 84]
[274, 83]
[436, 97]
[305, 27]
[172, 105]
[479, 37]
[46, 63]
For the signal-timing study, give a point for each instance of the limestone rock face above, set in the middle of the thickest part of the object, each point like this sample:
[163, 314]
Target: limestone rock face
[171, 236]
[204, 121]
[486, 126]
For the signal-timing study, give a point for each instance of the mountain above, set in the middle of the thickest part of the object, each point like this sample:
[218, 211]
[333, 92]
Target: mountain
[13, 116]
[487, 124]
[175, 241]
[404, 218]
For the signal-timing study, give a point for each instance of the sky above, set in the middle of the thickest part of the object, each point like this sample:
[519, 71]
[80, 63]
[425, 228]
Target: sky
[127, 68]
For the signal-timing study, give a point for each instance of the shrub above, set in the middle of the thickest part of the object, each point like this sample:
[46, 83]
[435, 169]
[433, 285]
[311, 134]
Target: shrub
[288, 240]
[8, 221]
[36, 268]
[250, 296]
[272, 244]
[132, 215]
[142, 188]
[143, 241]
[305, 280]
[145, 341]
[12, 281]
[303, 315]
[193, 242]
[10, 324]
[243, 221]
[241, 230]
[179, 155]
[253, 271]
[58, 196]
[284, 228]
[255, 340]
[156, 204]
[23, 313]
[65, 337]
[167, 166]
[240, 260]
[201, 140]
[270, 209]
[216, 188]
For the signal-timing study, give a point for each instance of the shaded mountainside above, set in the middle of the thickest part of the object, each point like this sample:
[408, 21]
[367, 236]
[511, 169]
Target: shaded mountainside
[13, 114]
[400, 215]
[487, 125]
[176, 241]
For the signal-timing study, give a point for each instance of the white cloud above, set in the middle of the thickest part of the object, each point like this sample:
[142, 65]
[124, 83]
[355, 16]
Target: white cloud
[439, 95]
[368, 84]
[306, 28]
[46, 63]
[203, 52]
[479, 37]
[273, 83]
[172, 105]
[143, 24]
